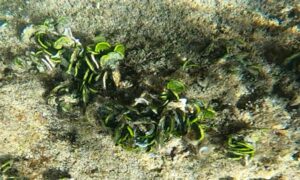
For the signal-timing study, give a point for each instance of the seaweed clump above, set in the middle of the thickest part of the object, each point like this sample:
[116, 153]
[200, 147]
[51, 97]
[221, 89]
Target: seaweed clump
[94, 70]
[8, 168]
[86, 68]
[153, 119]
[238, 148]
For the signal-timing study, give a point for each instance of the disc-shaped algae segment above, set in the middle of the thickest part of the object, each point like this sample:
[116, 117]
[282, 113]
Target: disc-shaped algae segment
[63, 41]
[110, 60]
[102, 46]
[176, 86]
[120, 49]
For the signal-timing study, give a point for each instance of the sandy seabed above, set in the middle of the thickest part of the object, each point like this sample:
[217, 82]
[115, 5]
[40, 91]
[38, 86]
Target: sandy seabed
[249, 66]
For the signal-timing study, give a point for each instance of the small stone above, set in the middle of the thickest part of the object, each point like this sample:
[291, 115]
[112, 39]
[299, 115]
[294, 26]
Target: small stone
[279, 127]
[27, 33]
[296, 156]
[3, 23]
[204, 150]
[295, 101]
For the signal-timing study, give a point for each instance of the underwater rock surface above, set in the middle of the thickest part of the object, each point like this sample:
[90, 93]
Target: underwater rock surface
[247, 67]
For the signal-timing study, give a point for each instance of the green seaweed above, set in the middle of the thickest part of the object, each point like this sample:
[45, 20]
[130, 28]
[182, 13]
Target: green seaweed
[149, 122]
[238, 148]
[86, 65]
[92, 69]
[8, 169]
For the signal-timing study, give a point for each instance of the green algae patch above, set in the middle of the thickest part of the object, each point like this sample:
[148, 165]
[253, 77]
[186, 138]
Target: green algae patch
[92, 70]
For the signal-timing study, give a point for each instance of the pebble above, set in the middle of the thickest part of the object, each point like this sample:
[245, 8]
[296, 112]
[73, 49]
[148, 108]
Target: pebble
[3, 23]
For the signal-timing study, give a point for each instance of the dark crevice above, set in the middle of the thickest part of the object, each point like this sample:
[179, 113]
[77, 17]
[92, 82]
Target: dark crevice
[54, 174]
